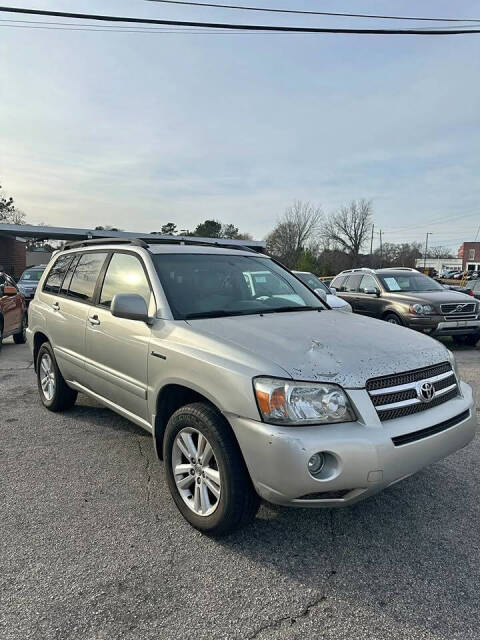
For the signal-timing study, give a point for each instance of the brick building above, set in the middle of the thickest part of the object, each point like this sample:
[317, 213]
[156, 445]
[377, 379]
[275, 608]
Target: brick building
[12, 255]
[469, 252]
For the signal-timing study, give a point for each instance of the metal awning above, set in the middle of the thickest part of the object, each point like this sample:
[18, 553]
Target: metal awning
[68, 233]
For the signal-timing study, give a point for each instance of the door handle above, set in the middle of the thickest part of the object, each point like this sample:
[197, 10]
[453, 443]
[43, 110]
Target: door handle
[56, 306]
[94, 320]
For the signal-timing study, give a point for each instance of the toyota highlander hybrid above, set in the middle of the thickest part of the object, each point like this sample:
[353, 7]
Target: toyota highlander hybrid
[249, 390]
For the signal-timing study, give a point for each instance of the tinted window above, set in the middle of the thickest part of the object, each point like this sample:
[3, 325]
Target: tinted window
[339, 283]
[85, 276]
[56, 274]
[125, 274]
[209, 285]
[68, 276]
[368, 282]
[353, 283]
[309, 279]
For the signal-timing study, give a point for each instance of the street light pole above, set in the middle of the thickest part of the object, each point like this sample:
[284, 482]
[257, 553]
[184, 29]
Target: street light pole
[429, 233]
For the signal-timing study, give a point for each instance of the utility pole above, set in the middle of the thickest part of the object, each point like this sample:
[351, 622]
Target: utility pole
[429, 233]
[381, 249]
[371, 240]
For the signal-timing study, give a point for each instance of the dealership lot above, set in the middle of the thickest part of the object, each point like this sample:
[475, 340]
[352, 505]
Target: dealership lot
[93, 547]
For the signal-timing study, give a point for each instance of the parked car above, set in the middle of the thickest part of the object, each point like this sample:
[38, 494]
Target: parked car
[323, 291]
[473, 288]
[27, 284]
[406, 297]
[13, 310]
[247, 393]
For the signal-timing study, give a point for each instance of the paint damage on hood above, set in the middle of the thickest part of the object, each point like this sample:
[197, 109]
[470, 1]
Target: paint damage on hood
[346, 349]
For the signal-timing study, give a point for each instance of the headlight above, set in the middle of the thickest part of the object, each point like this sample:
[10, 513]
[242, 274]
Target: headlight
[453, 362]
[299, 403]
[347, 308]
[420, 309]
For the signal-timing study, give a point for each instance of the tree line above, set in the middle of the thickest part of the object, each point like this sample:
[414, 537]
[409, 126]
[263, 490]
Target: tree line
[303, 238]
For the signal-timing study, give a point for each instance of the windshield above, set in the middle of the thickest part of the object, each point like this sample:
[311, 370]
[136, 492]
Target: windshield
[208, 286]
[409, 282]
[33, 275]
[312, 281]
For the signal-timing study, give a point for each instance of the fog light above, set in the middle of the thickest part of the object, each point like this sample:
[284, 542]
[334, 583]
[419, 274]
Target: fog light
[316, 463]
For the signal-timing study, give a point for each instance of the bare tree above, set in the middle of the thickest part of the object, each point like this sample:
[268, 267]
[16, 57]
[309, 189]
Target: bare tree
[298, 226]
[8, 212]
[439, 252]
[348, 229]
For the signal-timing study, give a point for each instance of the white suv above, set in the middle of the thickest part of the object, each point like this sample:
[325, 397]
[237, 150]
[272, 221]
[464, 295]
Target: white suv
[249, 390]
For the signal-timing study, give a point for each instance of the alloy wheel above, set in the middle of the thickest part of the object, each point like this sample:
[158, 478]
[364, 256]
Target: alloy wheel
[47, 377]
[196, 471]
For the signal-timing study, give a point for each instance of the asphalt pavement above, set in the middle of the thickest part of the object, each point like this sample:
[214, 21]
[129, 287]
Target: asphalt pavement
[92, 547]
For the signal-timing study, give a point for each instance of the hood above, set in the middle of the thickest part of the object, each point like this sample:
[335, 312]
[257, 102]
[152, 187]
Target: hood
[334, 347]
[335, 302]
[435, 298]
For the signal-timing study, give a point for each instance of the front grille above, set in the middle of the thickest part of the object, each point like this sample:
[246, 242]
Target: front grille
[454, 308]
[406, 438]
[397, 395]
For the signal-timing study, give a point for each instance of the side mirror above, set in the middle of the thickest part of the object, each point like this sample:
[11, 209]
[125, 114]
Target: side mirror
[321, 294]
[373, 291]
[9, 290]
[333, 291]
[129, 306]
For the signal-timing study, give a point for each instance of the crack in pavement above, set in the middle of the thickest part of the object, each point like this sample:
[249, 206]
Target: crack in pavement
[147, 473]
[290, 620]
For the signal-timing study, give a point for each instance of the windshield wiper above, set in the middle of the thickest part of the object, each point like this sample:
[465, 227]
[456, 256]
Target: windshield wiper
[220, 313]
[291, 308]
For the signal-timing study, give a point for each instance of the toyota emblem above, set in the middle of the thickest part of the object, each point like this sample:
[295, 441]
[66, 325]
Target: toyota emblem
[426, 392]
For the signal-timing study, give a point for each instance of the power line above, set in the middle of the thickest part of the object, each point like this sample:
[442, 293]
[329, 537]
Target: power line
[243, 27]
[313, 13]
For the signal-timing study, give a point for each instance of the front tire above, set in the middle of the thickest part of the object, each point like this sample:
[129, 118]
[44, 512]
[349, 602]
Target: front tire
[205, 471]
[54, 392]
[392, 318]
[468, 340]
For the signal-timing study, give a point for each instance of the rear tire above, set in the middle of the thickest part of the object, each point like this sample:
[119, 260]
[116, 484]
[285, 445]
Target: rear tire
[54, 392]
[21, 338]
[234, 502]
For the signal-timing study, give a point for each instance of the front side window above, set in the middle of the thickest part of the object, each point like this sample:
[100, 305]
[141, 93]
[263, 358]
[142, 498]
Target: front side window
[368, 282]
[82, 286]
[214, 285]
[125, 274]
[353, 283]
[56, 274]
[409, 282]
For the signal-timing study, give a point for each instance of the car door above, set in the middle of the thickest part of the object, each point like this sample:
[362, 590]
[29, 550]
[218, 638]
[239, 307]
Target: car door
[68, 290]
[117, 348]
[350, 290]
[366, 300]
[11, 306]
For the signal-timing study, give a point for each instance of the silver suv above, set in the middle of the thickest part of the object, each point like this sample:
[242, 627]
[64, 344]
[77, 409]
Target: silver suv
[249, 384]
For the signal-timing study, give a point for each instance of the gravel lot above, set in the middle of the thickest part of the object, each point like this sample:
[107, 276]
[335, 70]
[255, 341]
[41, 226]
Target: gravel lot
[92, 546]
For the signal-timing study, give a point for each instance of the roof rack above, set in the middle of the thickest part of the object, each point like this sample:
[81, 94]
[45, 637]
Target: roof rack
[87, 243]
[145, 242]
[359, 269]
[397, 269]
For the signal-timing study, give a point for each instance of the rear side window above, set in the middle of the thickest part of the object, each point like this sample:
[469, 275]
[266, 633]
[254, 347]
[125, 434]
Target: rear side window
[353, 283]
[339, 283]
[57, 273]
[82, 286]
[125, 274]
[69, 274]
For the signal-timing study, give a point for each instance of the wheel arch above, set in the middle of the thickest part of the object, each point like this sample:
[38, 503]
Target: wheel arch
[38, 339]
[171, 397]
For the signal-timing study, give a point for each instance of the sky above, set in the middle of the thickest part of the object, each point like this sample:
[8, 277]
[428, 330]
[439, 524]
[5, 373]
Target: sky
[138, 129]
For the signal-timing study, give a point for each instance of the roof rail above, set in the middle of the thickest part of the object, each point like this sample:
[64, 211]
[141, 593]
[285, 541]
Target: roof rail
[146, 241]
[397, 269]
[359, 269]
[87, 243]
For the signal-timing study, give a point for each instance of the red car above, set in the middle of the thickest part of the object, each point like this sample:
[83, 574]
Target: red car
[13, 311]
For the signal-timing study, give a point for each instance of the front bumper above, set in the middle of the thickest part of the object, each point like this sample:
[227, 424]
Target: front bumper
[365, 460]
[443, 326]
